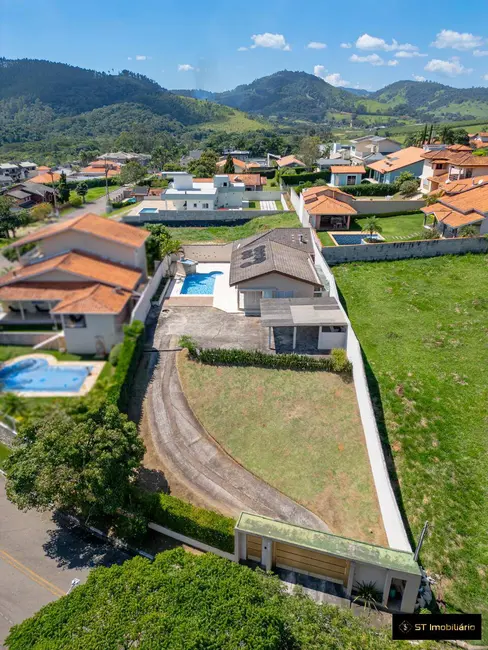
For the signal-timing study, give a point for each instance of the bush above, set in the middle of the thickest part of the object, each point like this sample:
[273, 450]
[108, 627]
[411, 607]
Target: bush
[129, 356]
[369, 189]
[75, 200]
[337, 362]
[409, 188]
[298, 179]
[114, 355]
[204, 525]
[130, 526]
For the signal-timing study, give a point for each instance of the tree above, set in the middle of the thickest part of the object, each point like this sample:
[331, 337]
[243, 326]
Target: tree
[372, 225]
[409, 188]
[402, 178]
[82, 190]
[13, 405]
[10, 220]
[132, 172]
[159, 244]
[309, 151]
[63, 189]
[41, 211]
[229, 167]
[205, 166]
[82, 463]
[181, 600]
[461, 136]
[446, 135]
[469, 231]
[75, 200]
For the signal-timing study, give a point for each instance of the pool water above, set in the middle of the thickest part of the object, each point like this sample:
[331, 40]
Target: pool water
[353, 239]
[199, 284]
[37, 375]
[149, 211]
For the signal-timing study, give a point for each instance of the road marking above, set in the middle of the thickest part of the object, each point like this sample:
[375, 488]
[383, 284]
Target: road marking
[35, 577]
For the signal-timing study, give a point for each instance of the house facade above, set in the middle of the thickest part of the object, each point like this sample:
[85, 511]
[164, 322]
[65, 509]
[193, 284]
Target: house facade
[239, 165]
[468, 207]
[289, 162]
[186, 193]
[14, 172]
[450, 164]
[27, 194]
[392, 165]
[328, 207]
[346, 175]
[83, 276]
[371, 148]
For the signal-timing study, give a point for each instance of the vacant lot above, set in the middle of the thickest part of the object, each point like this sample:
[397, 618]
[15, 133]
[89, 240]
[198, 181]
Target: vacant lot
[423, 325]
[401, 227]
[191, 235]
[300, 432]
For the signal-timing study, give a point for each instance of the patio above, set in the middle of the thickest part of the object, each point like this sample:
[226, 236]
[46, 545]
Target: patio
[223, 297]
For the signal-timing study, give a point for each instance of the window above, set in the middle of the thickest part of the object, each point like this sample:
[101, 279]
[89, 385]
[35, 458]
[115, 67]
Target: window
[205, 205]
[225, 184]
[351, 180]
[75, 321]
[195, 205]
[283, 294]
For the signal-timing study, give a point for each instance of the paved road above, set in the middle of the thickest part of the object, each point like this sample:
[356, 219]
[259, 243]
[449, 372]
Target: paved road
[39, 557]
[99, 206]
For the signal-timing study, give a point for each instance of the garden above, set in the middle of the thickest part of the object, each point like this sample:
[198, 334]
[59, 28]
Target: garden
[422, 327]
[401, 227]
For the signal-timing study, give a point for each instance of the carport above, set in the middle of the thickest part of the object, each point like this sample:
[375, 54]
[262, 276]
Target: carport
[317, 324]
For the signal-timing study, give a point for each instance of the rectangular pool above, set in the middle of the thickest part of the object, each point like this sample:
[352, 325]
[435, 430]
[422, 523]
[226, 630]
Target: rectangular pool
[199, 284]
[353, 238]
[149, 211]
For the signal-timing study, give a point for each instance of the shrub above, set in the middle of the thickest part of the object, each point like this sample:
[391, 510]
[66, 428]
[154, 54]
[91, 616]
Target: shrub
[409, 188]
[130, 526]
[206, 526]
[130, 354]
[235, 357]
[298, 179]
[75, 200]
[340, 362]
[117, 204]
[114, 355]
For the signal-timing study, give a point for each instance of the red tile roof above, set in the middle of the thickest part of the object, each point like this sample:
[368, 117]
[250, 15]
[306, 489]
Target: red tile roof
[398, 159]
[289, 160]
[97, 299]
[347, 169]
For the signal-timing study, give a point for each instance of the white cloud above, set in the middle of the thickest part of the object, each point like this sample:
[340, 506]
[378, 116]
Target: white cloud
[371, 43]
[418, 77]
[129, 58]
[456, 40]
[451, 68]
[142, 57]
[316, 45]
[485, 77]
[403, 54]
[274, 41]
[373, 59]
[242, 49]
[480, 53]
[346, 46]
[334, 78]
[185, 67]
[392, 62]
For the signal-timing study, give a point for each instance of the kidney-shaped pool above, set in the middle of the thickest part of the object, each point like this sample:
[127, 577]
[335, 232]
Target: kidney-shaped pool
[38, 375]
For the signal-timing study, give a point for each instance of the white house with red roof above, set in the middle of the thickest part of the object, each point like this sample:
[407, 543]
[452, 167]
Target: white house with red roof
[83, 275]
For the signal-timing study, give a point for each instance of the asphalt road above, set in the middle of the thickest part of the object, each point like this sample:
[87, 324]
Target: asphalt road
[39, 557]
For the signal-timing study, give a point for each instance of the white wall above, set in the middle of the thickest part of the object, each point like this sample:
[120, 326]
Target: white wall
[143, 305]
[369, 573]
[263, 195]
[83, 340]
[331, 340]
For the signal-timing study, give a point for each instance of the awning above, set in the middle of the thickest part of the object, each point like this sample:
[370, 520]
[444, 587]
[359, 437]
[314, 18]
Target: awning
[296, 312]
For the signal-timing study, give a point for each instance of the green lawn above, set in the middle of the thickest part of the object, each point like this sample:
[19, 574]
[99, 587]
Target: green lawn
[399, 228]
[4, 452]
[300, 432]
[423, 328]
[222, 234]
[93, 194]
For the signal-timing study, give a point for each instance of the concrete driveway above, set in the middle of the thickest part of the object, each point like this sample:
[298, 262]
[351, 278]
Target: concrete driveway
[39, 557]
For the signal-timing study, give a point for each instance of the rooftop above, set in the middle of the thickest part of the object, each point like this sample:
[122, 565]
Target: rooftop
[45, 178]
[399, 159]
[289, 160]
[287, 312]
[96, 299]
[350, 549]
[348, 169]
[455, 156]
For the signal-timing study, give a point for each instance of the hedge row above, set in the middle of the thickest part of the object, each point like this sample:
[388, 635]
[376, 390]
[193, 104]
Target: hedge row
[128, 360]
[91, 182]
[296, 179]
[369, 189]
[181, 517]
[337, 362]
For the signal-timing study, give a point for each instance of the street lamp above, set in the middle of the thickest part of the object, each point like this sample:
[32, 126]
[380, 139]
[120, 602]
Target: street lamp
[74, 583]
[108, 205]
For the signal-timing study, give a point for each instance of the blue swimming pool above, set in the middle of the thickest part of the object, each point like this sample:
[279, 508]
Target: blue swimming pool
[199, 284]
[344, 240]
[149, 211]
[37, 375]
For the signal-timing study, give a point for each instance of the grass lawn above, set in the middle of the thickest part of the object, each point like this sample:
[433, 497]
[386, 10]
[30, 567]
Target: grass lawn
[191, 235]
[4, 452]
[423, 328]
[93, 194]
[399, 228]
[300, 432]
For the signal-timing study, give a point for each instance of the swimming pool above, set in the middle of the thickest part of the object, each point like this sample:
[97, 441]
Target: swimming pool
[38, 375]
[149, 211]
[357, 238]
[199, 284]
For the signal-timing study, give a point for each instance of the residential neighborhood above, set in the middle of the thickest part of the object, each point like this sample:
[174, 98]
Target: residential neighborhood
[243, 359]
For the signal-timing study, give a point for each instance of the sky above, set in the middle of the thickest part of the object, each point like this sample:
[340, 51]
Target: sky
[217, 44]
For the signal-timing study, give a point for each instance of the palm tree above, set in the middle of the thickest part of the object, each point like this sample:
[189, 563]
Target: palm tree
[372, 226]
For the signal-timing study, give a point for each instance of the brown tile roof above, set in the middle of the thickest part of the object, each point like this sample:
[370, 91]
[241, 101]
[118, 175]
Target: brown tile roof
[325, 205]
[457, 186]
[398, 159]
[482, 134]
[253, 164]
[456, 157]
[40, 290]
[347, 169]
[79, 264]
[451, 217]
[460, 209]
[298, 238]
[247, 179]
[45, 178]
[311, 193]
[91, 224]
[289, 160]
[43, 168]
[236, 161]
[97, 299]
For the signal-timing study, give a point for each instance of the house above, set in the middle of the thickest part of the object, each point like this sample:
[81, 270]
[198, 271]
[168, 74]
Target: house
[122, 158]
[83, 276]
[29, 168]
[275, 264]
[328, 207]
[237, 153]
[194, 154]
[140, 192]
[326, 163]
[289, 162]
[371, 148]
[187, 193]
[252, 182]
[450, 213]
[453, 163]
[346, 562]
[10, 173]
[46, 177]
[27, 194]
[392, 165]
[478, 140]
[239, 165]
[346, 174]
[98, 169]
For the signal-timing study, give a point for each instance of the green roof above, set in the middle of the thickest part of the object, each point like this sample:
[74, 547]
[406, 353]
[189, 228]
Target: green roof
[350, 549]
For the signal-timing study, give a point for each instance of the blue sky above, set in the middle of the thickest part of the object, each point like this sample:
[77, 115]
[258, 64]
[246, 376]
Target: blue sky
[216, 44]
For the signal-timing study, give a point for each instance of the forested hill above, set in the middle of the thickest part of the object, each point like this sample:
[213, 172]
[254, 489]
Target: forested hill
[67, 90]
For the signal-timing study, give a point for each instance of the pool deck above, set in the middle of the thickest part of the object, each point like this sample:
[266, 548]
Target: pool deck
[97, 367]
[224, 297]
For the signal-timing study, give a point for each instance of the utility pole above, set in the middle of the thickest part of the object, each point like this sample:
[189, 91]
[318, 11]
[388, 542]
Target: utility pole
[108, 205]
[421, 541]
[56, 213]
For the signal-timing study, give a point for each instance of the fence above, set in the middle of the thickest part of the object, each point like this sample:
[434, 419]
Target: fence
[143, 305]
[392, 520]
[404, 250]
[197, 217]
[297, 203]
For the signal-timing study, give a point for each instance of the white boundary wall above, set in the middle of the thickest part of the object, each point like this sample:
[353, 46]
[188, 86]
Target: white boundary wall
[143, 305]
[193, 542]
[392, 520]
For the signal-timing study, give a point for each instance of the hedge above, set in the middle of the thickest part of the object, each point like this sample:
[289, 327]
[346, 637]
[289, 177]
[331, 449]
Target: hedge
[128, 360]
[369, 189]
[203, 525]
[296, 179]
[337, 362]
[91, 182]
